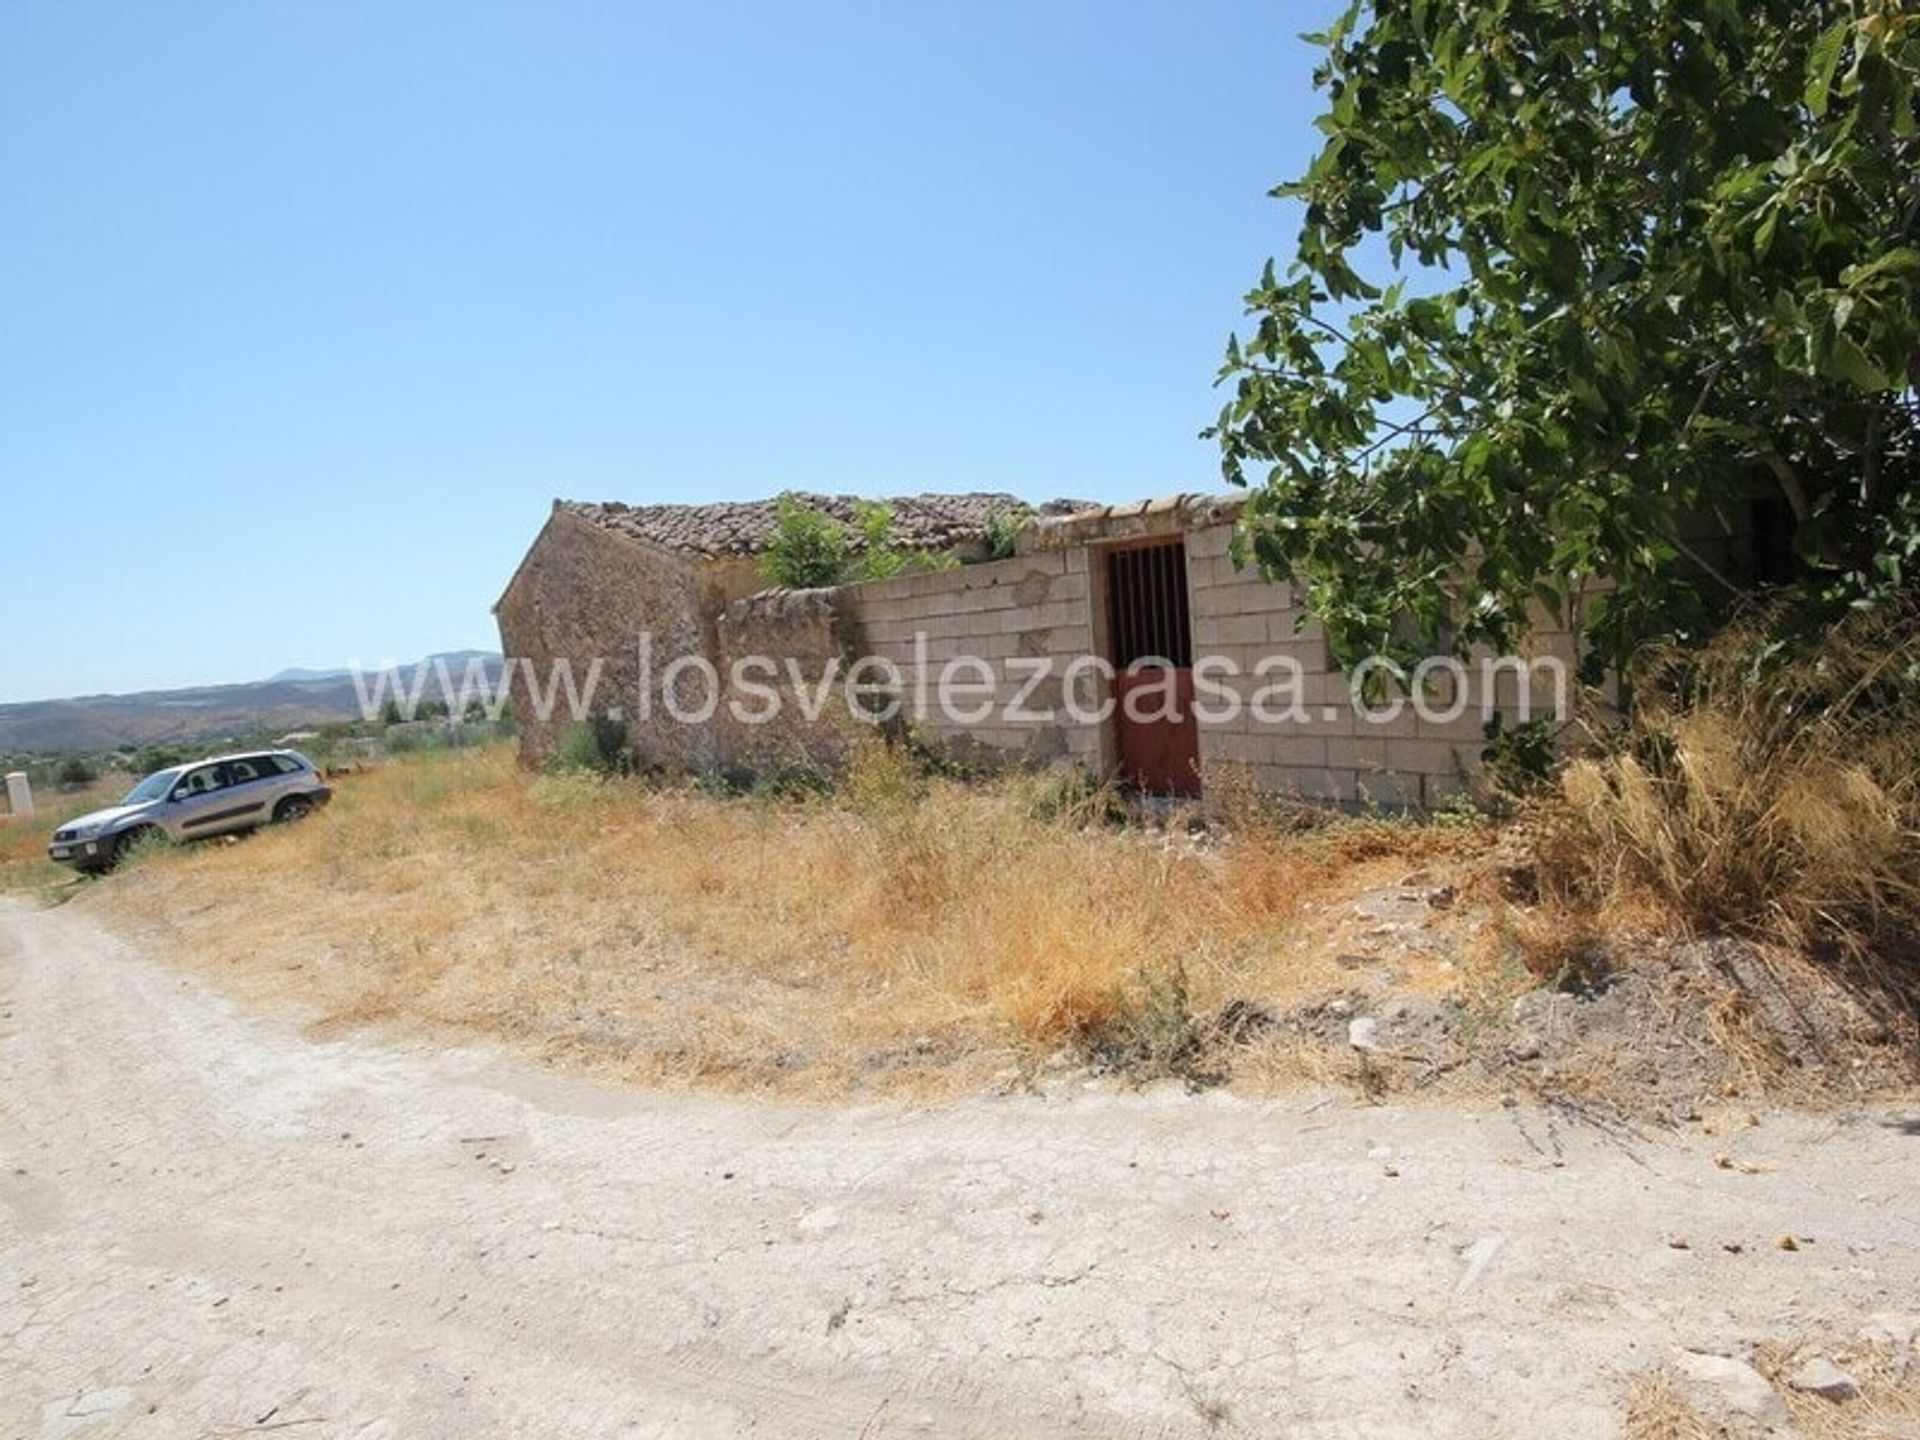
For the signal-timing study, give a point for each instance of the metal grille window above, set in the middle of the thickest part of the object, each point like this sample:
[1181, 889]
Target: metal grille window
[1147, 605]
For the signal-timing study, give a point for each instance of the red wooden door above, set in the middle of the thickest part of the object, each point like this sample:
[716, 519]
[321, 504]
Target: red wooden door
[1151, 641]
[1160, 753]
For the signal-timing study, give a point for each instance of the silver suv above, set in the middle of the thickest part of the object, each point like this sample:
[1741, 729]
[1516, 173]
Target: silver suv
[216, 796]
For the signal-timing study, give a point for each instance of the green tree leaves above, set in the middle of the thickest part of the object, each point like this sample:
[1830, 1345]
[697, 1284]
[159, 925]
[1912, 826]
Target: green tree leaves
[1573, 281]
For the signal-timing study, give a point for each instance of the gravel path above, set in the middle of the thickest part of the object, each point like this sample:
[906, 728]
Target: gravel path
[211, 1225]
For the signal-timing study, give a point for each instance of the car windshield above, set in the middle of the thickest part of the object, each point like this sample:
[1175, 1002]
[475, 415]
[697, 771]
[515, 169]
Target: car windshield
[154, 787]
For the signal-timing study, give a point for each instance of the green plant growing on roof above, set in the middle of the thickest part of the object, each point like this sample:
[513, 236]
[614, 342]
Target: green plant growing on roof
[808, 550]
[879, 556]
[1002, 532]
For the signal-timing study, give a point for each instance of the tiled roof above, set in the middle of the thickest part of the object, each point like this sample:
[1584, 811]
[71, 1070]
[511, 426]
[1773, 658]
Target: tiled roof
[1178, 511]
[920, 522]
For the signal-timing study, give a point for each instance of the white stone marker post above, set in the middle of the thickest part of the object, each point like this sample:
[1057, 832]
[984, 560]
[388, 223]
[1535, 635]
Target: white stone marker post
[19, 794]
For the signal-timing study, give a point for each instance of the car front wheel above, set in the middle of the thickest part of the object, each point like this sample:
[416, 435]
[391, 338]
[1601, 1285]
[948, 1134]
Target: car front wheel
[125, 841]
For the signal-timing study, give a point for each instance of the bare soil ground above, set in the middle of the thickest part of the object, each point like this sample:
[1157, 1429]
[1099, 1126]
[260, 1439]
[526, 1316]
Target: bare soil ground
[212, 1224]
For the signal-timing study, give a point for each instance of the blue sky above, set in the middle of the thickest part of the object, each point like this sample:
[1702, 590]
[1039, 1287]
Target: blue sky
[307, 312]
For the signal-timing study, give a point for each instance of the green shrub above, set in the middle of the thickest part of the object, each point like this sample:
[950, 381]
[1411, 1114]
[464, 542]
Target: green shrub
[1003, 529]
[882, 779]
[595, 746]
[808, 550]
[1152, 1034]
[811, 550]
[75, 772]
[158, 757]
[873, 519]
[1519, 757]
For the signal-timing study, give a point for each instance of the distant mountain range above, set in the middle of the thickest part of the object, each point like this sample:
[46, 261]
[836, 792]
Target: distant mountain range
[298, 674]
[287, 701]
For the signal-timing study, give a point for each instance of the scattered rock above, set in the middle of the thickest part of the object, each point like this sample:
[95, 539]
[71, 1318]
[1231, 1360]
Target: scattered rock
[1548, 1014]
[823, 1221]
[1414, 1022]
[1401, 904]
[1787, 1242]
[1725, 1390]
[1524, 1048]
[1363, 1033]
[1820, 1376]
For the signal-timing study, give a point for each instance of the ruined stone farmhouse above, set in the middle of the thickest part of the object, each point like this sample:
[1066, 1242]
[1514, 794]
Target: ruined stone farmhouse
[1150, 589]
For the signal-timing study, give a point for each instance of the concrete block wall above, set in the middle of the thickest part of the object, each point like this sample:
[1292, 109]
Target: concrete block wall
[1315, 741]
[583, 593]
[1007, 613]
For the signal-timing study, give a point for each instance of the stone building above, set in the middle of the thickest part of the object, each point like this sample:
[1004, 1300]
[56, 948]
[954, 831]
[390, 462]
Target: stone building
[599, 577]
[1040, 650]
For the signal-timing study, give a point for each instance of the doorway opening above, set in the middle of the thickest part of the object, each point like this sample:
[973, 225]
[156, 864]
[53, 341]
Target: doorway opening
[1150, 642]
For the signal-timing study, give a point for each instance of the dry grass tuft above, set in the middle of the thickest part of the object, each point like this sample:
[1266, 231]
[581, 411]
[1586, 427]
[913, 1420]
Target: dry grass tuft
[1772, 798]
[1887, 1407]
[1657, 1410]
[23, 840]
[906, 933]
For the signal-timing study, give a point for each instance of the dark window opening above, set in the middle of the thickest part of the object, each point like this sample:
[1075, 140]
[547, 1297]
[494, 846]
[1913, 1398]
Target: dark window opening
[1147, 615]
[1773, 525]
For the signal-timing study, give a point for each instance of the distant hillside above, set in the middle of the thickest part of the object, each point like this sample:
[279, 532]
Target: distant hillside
[298, 674]
[288, 701]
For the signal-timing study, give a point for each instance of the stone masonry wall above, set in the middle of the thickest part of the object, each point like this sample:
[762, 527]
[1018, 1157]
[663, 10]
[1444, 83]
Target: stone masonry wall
[582, 594]
[792, 712]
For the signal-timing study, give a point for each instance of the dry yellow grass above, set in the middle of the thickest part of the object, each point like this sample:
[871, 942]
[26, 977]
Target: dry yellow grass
[1777, 801]
[899, 936]
[1887, 1408]
[23, 840]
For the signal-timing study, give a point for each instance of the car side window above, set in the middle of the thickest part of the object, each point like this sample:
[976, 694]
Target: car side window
[245, 772]
[203, 781]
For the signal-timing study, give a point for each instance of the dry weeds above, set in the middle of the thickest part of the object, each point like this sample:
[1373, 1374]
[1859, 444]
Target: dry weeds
[1772, 798]
[24, 865]
[1887, 1408]
[905, 936]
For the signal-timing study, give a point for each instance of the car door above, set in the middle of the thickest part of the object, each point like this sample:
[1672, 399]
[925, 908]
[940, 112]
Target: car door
[251, 788]
[197, 804]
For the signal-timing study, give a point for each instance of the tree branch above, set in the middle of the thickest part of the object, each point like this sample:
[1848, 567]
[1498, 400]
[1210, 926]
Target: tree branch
[1697, 558]
[1790, 485]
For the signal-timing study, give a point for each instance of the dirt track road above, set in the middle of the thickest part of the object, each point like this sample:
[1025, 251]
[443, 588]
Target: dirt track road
[211, 1225]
